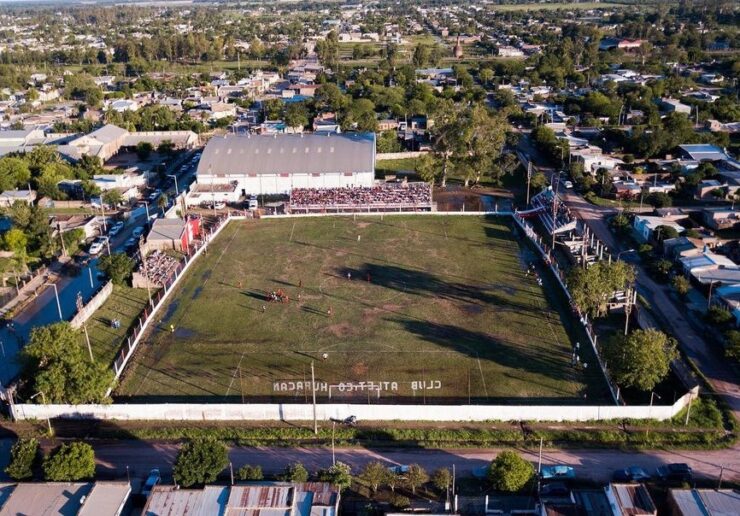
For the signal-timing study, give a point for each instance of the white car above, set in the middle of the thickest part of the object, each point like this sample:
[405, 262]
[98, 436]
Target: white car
[97, 246]
[116, 229]
[568, 184]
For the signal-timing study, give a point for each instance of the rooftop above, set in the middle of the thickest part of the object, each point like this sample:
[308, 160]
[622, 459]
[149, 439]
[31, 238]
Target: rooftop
[59, 498]
[106, 498]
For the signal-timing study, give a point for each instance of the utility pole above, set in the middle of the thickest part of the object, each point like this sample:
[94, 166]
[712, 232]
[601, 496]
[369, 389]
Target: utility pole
[313, 395]
[87, 338]
[529, 179]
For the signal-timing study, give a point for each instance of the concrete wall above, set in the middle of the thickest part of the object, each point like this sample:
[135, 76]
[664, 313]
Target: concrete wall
[96, 302]
[296, 412]
[398, 155]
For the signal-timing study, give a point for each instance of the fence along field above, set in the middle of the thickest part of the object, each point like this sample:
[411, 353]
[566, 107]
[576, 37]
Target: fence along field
[395, 309]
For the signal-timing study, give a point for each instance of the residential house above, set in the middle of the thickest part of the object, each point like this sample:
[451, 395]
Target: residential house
[593, 158]
[707, 267]
[721, 218]
[10, 197]
[177, 234]
[646, 225]
[702, 152]
[674, 106]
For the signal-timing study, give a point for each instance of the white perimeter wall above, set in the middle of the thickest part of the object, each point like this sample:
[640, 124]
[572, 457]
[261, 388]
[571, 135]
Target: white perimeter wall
[304, 412]
[269, 184]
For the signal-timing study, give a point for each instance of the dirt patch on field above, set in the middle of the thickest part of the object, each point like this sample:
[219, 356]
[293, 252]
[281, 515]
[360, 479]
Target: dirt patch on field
[363, 225]
[391, 308]
[341, 330]
[360, 369]
[471, 309]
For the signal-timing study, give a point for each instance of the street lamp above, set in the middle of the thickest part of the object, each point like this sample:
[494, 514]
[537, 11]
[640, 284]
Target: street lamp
[709, 297]
[146, 205]
[177, 190]
[625, 251]
[56, 294]
[43, 400]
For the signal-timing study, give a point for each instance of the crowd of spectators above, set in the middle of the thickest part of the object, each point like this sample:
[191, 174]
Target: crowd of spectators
[563, 214]
[390, 195]
[159, 267]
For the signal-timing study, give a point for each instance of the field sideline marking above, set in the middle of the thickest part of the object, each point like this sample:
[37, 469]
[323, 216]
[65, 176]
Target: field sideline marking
[291, 232]
[233, 376]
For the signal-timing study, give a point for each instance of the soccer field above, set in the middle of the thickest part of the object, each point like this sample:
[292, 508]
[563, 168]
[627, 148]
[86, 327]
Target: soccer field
[420, 309]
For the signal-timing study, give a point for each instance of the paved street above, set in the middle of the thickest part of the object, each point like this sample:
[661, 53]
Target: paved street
[598, 465]
[717, 371]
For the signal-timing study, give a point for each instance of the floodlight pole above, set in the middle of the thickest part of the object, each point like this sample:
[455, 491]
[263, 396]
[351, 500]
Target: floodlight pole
[87, 338]
[313, 395]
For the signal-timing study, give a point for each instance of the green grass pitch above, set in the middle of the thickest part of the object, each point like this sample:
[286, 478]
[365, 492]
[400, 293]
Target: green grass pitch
[427, 309]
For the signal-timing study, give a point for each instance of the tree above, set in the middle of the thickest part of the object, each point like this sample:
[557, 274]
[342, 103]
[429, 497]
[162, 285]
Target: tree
[118, 267]
[718, 316]
[427, 166]
[481, 139]
[15, 240]
[295, 472]
[199, 462]
[509, 472]
[416, 477]
[486, 75]
[328, 97]
[112, 197]
[388, 142]
[592, 287]
[144, 150]
[69, 463]
[681, 285]
[14, 173]
[248, 472]
[55, 363]
[166, 147]
[296, 115]
[732, 350]
[664, 232]
[442, 478]
[375, 474]
[339, 475]
[23, 456]
[660, 199]
[641, 359]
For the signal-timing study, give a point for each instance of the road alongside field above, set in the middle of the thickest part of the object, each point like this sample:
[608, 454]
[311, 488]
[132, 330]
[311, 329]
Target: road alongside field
[596, 465]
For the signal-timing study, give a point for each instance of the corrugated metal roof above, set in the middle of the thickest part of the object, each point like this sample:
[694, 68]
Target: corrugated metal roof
[261, 497]
[106, 499]
[166, 229]
[725, 502]
[41, 499]
[167, 500]
[289, 153]
[633, 500]
[5, 490]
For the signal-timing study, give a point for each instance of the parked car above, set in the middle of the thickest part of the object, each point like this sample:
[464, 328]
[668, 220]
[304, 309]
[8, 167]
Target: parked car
[117, 227]
[631, 474]
[555, 489]
[131, 243]
[677, 472]
[559, 472]
[401, 469]
[154, 195]
[151, 481]
[138, 232]
[97, 246]
[568, 184]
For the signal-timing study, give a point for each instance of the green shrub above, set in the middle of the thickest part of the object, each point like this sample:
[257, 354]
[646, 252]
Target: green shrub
[70, 462]
[248, 472]
[718, 316]
[295, 472]
[400, 502]
[23, 456]
[509, 472]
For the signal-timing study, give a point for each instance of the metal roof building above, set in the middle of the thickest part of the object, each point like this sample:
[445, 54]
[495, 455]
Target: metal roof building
[704, 502]
[39, 499]
[170, 501]
[106, 499]
[277, 163]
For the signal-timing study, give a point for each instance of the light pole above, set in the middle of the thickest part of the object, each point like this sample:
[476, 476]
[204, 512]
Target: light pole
[709, 297]
[146, 206]
[177, 190]
[43, 400]
[620, 253]
[56, 294]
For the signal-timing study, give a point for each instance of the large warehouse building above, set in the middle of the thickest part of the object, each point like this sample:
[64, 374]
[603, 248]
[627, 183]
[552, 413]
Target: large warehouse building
[234, 166]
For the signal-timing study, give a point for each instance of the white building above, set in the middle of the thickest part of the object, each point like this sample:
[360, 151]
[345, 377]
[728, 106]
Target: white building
[240, 165]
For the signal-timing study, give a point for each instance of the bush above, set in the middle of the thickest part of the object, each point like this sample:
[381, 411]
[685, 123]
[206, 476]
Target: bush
[733, 344]
[660, 200]
[70, 462]
[442, 478]
[22, 459]
[509, 472]
[199, 462]
[400, 502]
[718, 316]
[682, 285]
[339, 475]
[248, 472]
[295, 472]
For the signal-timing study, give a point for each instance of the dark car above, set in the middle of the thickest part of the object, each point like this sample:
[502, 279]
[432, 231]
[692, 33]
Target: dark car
[678, 472]
[555, 489]
[631, 474]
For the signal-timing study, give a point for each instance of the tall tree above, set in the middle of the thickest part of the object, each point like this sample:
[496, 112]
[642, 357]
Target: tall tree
[58, 367]
[593, 286]
[375, 474]
[510, 472]
[641, 359]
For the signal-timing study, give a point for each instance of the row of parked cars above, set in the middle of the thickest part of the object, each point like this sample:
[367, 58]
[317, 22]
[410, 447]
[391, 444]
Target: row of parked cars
[103, 241]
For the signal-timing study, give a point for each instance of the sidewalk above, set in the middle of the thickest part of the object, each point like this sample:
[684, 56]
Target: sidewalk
[32, 288]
